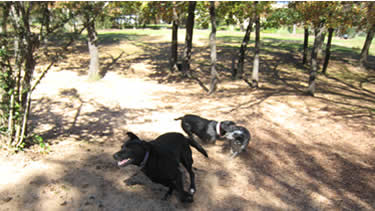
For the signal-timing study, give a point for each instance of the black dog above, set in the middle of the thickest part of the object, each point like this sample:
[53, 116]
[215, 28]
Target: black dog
[239, 138]
[159, 160]
[207, 130]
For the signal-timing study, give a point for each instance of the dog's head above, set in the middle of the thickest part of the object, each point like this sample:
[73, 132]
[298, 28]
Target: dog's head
[225, 126]
[239, 138]
[133, 151]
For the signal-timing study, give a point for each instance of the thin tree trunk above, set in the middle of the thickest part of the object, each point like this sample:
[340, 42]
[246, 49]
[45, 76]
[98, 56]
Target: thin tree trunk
[11, 120]
[188, 38]
[214, 74]
[328, 51]
[5, 18]
[318, 42]
[238, 71]
[366, 46]
[94, 70]
[305, 45]
[23, 127]
[255, 74]
[174, 47]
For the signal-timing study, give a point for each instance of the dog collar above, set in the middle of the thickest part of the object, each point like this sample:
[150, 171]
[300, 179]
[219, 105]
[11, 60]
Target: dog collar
[218, 128]
[145, 159]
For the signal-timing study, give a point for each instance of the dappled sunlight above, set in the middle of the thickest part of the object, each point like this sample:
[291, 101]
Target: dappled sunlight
[305, 153]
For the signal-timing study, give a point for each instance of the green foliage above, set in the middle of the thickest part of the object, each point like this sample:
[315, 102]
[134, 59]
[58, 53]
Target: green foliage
[30, 25]
[281, 17]
[202, 17]
[36, 139]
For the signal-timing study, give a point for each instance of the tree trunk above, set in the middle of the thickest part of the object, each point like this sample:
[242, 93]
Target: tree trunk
[174, 47]
[328, 51]
[255, 74]
[5, 17]
[94, 70]
[294, 29]
[305, 45]
[318, 42]
[238, 71]
[214, 74]
[188, 38]
[364, 53]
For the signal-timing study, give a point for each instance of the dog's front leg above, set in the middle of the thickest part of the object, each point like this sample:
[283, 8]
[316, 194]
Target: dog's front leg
[169, 193]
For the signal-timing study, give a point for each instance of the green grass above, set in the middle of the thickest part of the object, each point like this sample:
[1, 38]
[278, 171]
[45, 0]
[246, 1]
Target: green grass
[230, 38]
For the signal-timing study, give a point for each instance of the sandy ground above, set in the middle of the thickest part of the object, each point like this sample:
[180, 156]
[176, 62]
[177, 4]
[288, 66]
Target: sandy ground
[305, 153]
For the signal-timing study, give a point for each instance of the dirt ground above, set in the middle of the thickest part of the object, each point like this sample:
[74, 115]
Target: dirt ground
[305, 153]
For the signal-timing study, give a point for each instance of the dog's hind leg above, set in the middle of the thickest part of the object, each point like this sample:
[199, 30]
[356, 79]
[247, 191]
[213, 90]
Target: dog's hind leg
[182, 194]
[187, 161]
[187, 128]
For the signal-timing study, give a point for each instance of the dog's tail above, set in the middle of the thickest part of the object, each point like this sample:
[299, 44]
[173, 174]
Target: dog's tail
[198, 147]
[179, 118]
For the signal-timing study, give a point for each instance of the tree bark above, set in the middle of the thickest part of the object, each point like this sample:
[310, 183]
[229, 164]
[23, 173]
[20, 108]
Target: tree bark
[305, 45]
[366, 46]
[318, 42]
[255, 74]
[328, 51]
[94, 69]
[5, 17]
[214, 74]
[238, 71]
[188, 38]
[174, 46]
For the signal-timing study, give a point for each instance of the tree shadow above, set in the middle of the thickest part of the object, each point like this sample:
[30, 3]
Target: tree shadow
[86, 184]
[313, 176]
[70, 118]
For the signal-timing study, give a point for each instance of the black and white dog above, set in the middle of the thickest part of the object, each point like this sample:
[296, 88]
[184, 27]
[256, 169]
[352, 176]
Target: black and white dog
[239, 138]
[210, 130]
[207, 130]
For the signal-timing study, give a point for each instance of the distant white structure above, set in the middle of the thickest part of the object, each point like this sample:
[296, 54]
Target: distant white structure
[280, 4]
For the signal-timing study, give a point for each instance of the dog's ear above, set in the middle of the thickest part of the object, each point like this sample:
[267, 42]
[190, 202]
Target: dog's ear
[132, 135]
[230, 123]
[227, 124]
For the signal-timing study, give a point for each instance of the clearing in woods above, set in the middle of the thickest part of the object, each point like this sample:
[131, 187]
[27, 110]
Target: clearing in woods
[305, 154]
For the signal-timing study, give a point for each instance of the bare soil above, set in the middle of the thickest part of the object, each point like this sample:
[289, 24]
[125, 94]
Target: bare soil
[306, 153]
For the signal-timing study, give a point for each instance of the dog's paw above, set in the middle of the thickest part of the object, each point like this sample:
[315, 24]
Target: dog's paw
[188, 199]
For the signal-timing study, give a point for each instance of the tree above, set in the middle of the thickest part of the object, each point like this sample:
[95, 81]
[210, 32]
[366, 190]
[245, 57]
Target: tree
[303, 15]
[341, 16]
[214, 74]
[241, 11]
[91, 10]
[328, 50]
[238, 71]
[318, 42]
[255, 73]
[305, 44]
[19, 54]
[319, 15]
[188, 38]
[174, 46]
[5, 14]
[370, 23]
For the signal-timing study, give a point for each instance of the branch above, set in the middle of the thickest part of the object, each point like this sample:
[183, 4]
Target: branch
[54, 60]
